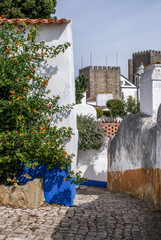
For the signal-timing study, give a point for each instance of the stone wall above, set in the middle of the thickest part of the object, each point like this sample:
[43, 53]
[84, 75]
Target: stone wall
[28, 196]
[102, 79]
[134, 158]
[130, 70]
[145, 57]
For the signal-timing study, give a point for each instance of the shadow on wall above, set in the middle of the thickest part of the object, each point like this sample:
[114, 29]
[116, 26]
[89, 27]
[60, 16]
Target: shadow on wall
[47, 70]
[93, 165]
[91, 173]
[56, 190]
[87, 157]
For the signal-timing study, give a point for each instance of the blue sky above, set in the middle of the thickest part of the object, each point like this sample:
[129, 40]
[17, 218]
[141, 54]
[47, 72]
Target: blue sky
[110, 28]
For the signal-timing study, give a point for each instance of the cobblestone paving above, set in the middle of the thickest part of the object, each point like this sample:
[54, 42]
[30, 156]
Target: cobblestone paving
[96, 214]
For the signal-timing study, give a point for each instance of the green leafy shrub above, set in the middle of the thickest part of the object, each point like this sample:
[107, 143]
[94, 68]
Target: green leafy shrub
[99, 112]
[116, 108]
[132, 106]
[91, 136]
[27, 8]
[26, 110]
[81, 84]
[107, 113]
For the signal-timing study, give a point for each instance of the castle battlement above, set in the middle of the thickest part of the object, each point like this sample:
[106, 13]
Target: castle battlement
[143, 57]
[100, 68]
[102, 79]
[146, 52]
[86, 68]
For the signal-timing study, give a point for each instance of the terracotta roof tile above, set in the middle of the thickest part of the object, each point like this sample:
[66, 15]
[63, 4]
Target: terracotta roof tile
[35, 21]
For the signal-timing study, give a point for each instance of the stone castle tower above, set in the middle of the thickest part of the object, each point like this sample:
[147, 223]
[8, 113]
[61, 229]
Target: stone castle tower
[102, 80]
[145, 57]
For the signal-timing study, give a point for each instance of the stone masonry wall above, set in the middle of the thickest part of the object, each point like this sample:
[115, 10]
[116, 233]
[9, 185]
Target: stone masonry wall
[102, 79]
[113, 82]
[130, 70]
[145, 57]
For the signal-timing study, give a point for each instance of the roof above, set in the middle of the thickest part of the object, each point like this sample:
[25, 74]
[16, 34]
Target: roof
[125, 83]
[34, 21]
[96, 106]
[91, 99]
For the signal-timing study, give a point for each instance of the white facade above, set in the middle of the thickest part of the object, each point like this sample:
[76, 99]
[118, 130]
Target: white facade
[86, 110]
[61, 73]
[138, 75]
[93, 163]
[102, 98]
[150, 90]
[127, 88]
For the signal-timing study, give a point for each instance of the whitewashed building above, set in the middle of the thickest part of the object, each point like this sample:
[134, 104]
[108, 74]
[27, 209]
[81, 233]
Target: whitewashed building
[127, 88]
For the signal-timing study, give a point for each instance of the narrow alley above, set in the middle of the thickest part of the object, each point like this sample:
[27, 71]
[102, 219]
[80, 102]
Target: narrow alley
[96, 214]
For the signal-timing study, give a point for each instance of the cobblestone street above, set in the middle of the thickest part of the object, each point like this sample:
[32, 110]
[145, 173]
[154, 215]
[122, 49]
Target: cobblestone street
[96, 214]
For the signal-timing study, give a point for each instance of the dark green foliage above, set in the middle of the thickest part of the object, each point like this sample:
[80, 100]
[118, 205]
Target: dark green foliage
[81, 84]
[107, 113]
[116, 108]
[27, 134]
[27, 8]
[99, 112]
[132, 106]
[91, 136]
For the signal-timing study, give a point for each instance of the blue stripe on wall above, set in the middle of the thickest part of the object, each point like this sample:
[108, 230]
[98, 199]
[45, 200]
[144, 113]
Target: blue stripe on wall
[95, 183]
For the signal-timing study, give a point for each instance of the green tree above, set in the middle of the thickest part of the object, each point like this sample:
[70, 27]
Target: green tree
[27, 8]
[26, 110]
[99, 112]
[132, 106]
[81, 84]
[116, 108]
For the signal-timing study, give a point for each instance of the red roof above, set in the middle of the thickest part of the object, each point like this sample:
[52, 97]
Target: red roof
[35, 21]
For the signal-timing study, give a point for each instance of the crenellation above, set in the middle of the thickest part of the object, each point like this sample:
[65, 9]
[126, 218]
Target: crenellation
[103, 79]
[142, 57]
[86, 68]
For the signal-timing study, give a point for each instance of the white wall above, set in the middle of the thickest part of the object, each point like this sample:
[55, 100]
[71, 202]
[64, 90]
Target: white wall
[127, 88]
[86, 110]
[127, 92]
[150, 90]
[93, 163]
[102, 98]
[83, 100]
[61, 72]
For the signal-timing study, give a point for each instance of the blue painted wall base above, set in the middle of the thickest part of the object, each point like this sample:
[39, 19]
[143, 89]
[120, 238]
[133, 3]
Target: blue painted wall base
[56, 190]
[95, 183]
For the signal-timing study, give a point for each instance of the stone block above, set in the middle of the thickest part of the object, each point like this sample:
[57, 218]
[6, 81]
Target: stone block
[28, 196]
